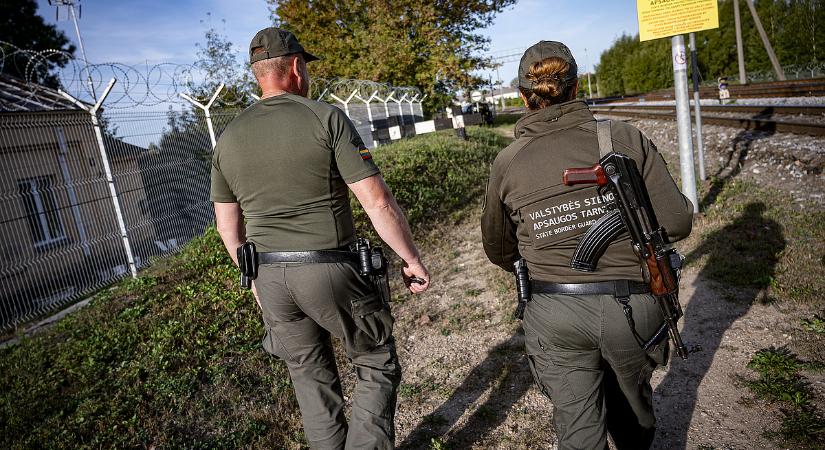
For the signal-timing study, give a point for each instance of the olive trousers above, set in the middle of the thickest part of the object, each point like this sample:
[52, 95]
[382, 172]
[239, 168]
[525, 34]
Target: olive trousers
[585, 359]
[303, 305]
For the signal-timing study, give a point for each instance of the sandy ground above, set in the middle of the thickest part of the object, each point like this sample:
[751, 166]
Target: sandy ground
[466, 382]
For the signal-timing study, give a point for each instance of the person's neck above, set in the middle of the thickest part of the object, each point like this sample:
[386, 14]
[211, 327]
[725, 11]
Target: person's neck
[272, 93]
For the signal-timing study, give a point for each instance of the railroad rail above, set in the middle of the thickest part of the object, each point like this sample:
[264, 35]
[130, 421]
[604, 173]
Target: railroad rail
[762, 120]
[762, 110]
[791, 88]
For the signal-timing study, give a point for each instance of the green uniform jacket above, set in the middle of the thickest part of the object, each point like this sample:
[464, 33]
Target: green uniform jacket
[528, 211]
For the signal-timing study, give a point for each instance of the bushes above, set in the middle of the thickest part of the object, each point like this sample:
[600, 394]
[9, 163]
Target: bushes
[434, 175]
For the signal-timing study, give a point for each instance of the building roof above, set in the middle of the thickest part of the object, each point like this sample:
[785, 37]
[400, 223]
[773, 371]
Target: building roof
[19, 96]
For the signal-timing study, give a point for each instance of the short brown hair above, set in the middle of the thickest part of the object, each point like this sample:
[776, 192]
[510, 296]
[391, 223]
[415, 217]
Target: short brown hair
[551, 83]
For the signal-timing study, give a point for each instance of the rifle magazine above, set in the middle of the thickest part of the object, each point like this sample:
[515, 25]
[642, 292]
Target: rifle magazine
[596, 240]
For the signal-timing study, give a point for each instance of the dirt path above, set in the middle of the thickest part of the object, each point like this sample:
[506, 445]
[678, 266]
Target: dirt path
[466, 381]
[467, 384]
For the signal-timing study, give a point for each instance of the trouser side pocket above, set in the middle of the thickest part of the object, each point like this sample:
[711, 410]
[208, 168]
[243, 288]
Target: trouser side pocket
[373, 318]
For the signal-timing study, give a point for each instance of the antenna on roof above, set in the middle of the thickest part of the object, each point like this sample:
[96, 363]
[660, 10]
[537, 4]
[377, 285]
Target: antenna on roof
[70, 4]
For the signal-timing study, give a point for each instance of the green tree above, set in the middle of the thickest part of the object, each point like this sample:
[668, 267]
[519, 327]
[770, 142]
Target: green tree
[21, 27]
[430, 45]
[794, 28]
[218, 62]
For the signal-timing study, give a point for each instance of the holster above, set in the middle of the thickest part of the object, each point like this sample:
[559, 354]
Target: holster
[523, 288]
[373, 265]
[248, 263]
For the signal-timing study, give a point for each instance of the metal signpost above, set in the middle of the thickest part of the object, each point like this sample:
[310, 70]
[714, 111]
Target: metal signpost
[697, 106]
[673, 19]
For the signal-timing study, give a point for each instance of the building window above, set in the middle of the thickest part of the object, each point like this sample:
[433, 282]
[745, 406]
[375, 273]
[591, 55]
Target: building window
[42, 212]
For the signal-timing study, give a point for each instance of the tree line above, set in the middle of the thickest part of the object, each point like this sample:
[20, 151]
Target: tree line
[795, 28]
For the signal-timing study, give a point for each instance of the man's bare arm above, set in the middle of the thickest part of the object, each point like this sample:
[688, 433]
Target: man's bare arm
[391, 225]
[229, 222]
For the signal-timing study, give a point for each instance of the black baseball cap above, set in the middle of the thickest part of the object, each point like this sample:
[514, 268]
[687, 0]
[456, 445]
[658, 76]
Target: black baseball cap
[276, 42]
[541, 51]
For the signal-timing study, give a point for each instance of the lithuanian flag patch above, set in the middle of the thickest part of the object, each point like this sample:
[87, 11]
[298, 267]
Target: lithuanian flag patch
[365, 153]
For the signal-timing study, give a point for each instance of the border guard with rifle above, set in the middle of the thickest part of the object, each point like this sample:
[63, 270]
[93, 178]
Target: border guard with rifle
[584, 212]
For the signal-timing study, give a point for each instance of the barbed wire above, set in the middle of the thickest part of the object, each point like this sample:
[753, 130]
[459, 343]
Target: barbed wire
[155, 85]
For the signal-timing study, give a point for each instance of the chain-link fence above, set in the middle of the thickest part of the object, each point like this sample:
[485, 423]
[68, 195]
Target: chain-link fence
[96, 181]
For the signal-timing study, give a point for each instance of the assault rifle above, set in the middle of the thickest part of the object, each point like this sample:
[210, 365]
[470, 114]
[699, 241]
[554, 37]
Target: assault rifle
[630, 210]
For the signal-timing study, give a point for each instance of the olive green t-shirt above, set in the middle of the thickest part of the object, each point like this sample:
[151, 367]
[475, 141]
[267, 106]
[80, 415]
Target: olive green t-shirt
[287, 161]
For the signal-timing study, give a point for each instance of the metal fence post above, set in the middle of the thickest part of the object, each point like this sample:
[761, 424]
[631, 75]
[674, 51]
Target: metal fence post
[421, 105]
[206, 113]
[127, 246]
[386, 108]
[400, 111]
[369, 113]
[411, 101]
[345, 102]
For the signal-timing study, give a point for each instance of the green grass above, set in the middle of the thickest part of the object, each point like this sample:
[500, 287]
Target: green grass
[170, 359]
[816, 324]
[758, 238]
[173, 359]
[781, 381]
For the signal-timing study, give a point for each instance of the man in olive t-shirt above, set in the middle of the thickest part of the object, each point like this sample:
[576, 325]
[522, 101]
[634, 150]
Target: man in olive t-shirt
[286, 164]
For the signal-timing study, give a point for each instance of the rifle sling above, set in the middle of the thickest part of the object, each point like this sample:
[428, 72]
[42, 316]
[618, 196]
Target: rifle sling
[605, 138]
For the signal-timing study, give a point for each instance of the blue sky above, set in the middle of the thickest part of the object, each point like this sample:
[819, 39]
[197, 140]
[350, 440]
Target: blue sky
[157, 31]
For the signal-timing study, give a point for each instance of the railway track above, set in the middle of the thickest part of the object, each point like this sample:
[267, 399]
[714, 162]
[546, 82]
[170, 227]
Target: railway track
[791, 88]
[751, 117]
[762, 110]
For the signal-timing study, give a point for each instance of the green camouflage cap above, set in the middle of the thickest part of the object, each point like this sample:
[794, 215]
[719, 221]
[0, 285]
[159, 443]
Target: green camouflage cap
[276, 42]
[541, 51]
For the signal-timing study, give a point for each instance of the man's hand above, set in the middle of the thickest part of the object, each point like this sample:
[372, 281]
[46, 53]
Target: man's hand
[416, 277]
[392, 227]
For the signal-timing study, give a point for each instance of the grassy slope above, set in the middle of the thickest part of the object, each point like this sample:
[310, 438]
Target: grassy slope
[173, 359]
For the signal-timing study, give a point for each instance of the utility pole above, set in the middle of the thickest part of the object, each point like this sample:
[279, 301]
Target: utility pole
[70, 5]
[500, 86]
[740, 54]
[589, 86]
[768, 48]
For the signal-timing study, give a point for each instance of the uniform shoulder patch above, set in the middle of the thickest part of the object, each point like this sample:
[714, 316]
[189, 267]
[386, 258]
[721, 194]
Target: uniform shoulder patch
[365, 153]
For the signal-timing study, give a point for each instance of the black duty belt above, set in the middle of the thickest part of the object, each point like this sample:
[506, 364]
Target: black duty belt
[617, 288]
[309, 257]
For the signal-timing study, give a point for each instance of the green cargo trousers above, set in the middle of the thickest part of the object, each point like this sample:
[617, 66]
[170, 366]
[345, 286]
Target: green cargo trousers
[585, 359]
[303, 304]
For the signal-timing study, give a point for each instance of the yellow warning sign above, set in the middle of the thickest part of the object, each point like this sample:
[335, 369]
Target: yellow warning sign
[663, 18]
